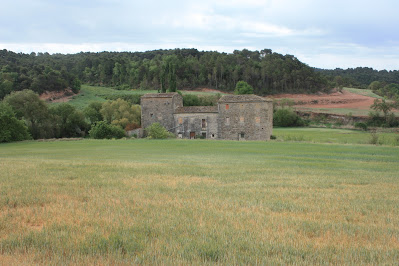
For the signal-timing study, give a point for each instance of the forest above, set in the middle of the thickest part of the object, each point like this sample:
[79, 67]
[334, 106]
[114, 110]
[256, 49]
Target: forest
[360, 77]
[266, 71]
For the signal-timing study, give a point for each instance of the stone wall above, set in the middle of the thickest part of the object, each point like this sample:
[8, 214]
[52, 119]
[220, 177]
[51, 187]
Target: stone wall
[159, 108]
[197, 124]
[237, 117]
[245, 120]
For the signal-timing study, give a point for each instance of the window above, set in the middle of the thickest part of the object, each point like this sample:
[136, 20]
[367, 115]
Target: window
[180, 120]
[227, 120]
[204, 135]
[203, 123]
[151, 115]
[227, 107]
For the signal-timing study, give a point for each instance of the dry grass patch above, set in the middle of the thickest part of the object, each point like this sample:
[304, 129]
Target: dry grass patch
[196, 202]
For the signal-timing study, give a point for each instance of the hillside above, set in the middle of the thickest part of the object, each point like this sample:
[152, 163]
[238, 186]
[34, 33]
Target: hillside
[268, 72]
[349, 100]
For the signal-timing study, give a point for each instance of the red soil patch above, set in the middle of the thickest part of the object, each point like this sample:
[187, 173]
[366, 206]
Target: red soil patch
[344, 99]
[57, 96]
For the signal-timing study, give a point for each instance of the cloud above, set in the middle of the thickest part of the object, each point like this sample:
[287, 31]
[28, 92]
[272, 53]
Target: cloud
[354, 31]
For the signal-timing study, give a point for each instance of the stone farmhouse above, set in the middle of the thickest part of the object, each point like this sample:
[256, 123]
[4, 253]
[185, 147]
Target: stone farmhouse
[236, 117]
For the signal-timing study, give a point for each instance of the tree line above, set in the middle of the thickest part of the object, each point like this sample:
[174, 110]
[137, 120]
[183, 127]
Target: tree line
[360, 77]
[266, 71]
[23, 115]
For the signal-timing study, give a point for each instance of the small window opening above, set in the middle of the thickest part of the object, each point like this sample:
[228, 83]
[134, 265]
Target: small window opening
[151, 115]
[203, 123]
[227, 120]
[227, 107]
[203, 135]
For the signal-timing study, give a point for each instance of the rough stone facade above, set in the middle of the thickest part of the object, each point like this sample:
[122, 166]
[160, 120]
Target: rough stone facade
[245, 117]
[159, 107]
[197, 121]
[237, 117]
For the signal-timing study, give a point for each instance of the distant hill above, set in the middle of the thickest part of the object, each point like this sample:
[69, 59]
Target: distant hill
[359, 77]
[266, 71]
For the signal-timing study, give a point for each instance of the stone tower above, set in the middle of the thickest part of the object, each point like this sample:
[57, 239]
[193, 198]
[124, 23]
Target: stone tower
[159, 107]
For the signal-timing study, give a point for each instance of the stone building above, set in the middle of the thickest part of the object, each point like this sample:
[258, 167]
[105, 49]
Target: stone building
[236, 117]
[159, 107]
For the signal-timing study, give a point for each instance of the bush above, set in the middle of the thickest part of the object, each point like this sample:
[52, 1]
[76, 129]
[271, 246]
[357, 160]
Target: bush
[373, 138]
[157, 131]
[286, 117]
[102, 130]
[361, 125]
[374, 119]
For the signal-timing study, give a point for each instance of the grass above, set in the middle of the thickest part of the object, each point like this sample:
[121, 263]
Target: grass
[338, 136]
[364, 92]
[90, 94]
[198, 201]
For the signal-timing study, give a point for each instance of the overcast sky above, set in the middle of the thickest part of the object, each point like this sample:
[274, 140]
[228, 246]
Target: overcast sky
[320, 33]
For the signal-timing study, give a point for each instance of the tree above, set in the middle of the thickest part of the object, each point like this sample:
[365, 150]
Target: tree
[243, 88]
[121, 113]
[375, 86]
[92, 112]
[29, 107]
[11, 128]
[70, 122]
[383, 106]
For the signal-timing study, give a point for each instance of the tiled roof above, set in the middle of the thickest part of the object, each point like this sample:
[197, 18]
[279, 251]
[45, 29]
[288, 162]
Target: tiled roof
[242, 98]
[159, 95]
[196, 109]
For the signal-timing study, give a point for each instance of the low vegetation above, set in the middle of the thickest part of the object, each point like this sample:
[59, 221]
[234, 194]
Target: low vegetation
[199, 202]
[157, 131]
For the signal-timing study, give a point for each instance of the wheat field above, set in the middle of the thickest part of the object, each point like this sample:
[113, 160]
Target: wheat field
[198, 202]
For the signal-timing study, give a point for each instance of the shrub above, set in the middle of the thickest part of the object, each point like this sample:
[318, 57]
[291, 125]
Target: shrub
[286, 117]
[375, 119]
[102, 130]
[157, 131]
[373, 138]
[361, 125]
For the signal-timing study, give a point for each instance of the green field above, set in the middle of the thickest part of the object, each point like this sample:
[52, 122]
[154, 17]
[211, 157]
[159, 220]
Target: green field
[198, 201]
[341, 136]
[90, 94]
